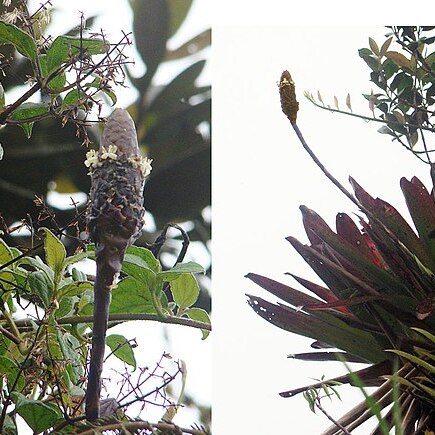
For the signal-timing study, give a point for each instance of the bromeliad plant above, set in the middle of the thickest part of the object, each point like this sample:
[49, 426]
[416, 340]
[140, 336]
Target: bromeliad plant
[377, 303]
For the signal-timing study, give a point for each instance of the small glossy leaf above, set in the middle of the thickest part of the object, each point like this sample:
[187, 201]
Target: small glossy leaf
[36, 414]
[185, 290]
[24, 43]
[55, 254]
[349, 106]
[374, 46]
[200, 315]
[122, 349]
[180, 269]
[398, 58]
[319, 97]
[385, 46]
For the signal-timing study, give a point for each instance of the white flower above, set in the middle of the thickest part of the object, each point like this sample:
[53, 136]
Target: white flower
[110, 153]
[91, 159]
[142, 163]
[11, 17]
[6, 3]
[145, 166]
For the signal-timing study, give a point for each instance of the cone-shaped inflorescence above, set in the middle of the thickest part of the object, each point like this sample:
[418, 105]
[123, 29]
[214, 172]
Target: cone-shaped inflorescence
[114, 220]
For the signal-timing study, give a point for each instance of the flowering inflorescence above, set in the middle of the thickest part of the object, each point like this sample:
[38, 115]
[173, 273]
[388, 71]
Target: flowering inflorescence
[95, 159]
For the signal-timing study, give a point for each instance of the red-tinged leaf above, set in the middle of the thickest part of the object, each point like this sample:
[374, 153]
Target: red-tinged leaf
[312, 220]
[376, 255]
[282, 291]
[327, 329]
[341, 303]
[322, 292]
[335, 280]
[344, 276]
[393, 220]
[363, 197]
[347, 229]
[426, 307]
[352, 256]
[422, 209]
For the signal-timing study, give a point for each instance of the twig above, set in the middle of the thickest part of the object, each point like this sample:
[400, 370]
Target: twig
[124, 317]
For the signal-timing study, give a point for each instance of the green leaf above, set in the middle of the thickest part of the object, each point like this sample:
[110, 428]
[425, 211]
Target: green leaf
[194, 45]
[185, 290]
[139, 298]
[145, 258]
[425, 365]
[122, 349]
[64, 48]
[200, 315]
[2, 97]
[151, 26]
[66, 307]
[178, 11]
[42, 286]
[180, 269]
[36, 414]
[427, 334]
[55, 254]
[72, 98]
[141, 273]
[74, 289]
[28, 111]
[5, 253]
[57, 82]
[11, 370]
[24, 43]
[182, 86]
[27, 128]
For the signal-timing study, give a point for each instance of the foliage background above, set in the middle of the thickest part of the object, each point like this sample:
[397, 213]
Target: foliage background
[268, 177]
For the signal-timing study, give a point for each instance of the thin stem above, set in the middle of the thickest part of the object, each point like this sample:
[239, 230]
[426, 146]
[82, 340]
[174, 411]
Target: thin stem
[124, 317]
[322, 167]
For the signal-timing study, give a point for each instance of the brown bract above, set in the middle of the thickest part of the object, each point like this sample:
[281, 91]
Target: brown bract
[289, 104]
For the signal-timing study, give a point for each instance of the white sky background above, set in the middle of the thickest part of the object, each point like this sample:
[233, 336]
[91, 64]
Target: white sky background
[261, 176]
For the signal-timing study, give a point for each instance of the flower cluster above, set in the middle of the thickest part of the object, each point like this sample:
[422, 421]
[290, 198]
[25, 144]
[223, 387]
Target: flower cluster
[94, 159]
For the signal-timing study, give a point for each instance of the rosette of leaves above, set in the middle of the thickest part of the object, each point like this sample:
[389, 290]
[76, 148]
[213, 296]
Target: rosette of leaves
[376, 305]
